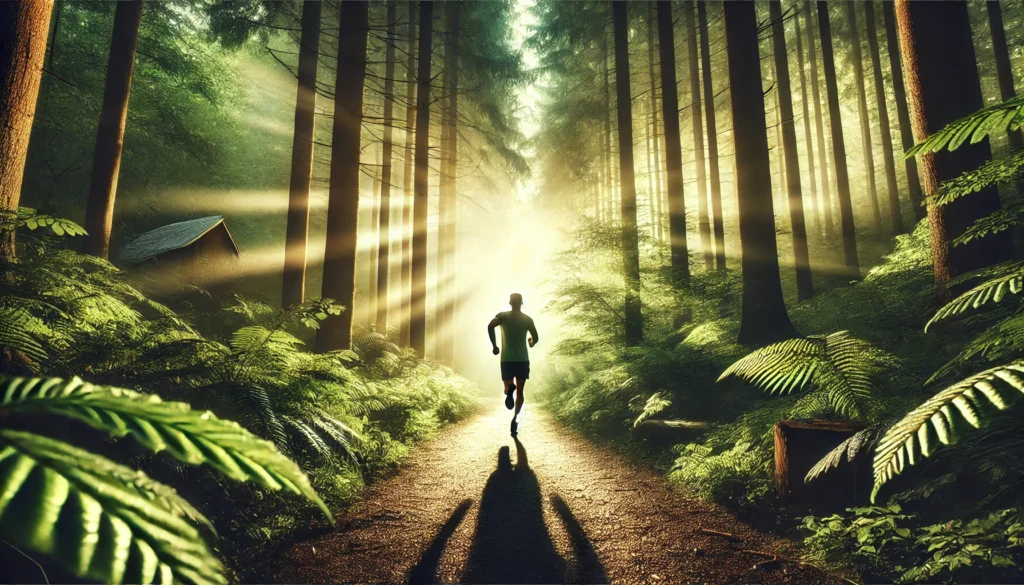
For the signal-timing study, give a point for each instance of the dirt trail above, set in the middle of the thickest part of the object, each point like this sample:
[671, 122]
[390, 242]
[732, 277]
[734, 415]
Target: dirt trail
[472, 505]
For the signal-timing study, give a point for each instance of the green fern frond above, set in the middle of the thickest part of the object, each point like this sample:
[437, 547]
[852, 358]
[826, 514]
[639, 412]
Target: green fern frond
[189, 436]
[781, 367]
[1006, 170]
[307, 438]
[14, 333]
[944, 417]
[1011, 280]
[849, 449]
[1000, 220]
[997, 118]
[101, 519]
[338, 433]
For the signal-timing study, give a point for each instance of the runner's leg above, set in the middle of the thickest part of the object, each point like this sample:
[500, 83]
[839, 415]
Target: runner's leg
[520, 384]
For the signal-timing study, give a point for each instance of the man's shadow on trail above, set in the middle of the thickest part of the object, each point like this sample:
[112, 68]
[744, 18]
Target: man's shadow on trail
[512, 543]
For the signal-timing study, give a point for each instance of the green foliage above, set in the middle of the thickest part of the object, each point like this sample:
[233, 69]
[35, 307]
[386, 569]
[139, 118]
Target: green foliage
[997, 118]
[28, 218]
[1007, 277]
[944, 417]
[849, 449]
[888, 544]
[739, 475]
[838, 366]
[104, 520]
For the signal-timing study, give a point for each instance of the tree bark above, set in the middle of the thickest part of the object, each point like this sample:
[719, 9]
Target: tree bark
[23, 29]
[703, 220]
[372, 245]
[892, 188]
[764, 318]
[293, 290]
[935, 38]
[849, 232]
[1002, 56]
[808, 144]
[865, 122]
[609, 179]
[630, 243]
[654, 172]
[405, 297]
[446, 237]
[418, 320]
[819, 126]
[384, 249]
[712, 133]
[106, 162]
[902, 113]
[343, 193]
[801, 256]
[673, 146]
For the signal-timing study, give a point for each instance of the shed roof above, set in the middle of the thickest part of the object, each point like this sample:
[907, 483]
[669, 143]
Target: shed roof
[170, 237]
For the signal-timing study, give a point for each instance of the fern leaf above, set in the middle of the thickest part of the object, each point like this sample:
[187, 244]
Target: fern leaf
[781, 367]
[192, 437]
[88, 512]
[14, 334]
[942, 418]
[997, 118]
[849, 449]
[995, 290]
[307, 438]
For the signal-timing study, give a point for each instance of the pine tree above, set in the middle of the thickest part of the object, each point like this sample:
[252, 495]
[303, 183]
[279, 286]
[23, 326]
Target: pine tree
[630, 239]
[867, 146]
[384, 248]
[808, 144]
[703, 220]
[293, 290]
[819, 126]
[673, 147]
[902, 113]
[23, 28]
[405, 296]
[801, 256]
[106, 163]
[849, 232]
[764, 318]
[343, 193]
[935, 38]
[892, 189]
[418, 317]
[712, 133]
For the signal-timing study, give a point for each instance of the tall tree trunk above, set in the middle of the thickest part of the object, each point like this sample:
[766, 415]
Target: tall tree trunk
[819, 126]
[343, 193]
[656, 196]
[372, 245]
[703, 221]
[1002, 55]
[712, 133]
[446, 236]
[405, 298]
[935, 38]
[293, 290]
[892, 189]
[418, 324]
[630, 243]
[808, 145]
[609, 179]
[384, 250]
[865, 121]
[764, 318]
[849, 232]
[673, 147]
[106, 162]
[23, 28]
[902, 114]
[801, 257]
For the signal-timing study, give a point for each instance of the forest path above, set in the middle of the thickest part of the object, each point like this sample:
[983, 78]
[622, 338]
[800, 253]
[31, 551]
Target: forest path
[564, 510]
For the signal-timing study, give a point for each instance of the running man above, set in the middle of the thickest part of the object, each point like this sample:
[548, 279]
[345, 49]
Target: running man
[515, 359]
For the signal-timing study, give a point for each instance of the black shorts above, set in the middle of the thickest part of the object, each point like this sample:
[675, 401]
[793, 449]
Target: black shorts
[511, 370]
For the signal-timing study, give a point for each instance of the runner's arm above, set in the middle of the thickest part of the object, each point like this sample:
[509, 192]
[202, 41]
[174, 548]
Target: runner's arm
[533, 333]
[490, 333]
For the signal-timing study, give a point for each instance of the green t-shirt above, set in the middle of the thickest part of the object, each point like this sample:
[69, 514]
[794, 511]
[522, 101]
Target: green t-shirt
[514, 327]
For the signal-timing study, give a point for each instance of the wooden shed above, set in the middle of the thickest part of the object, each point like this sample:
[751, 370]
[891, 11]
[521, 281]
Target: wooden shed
[200, 250]
[799, 444]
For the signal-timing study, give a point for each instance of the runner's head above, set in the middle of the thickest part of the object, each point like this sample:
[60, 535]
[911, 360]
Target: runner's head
[516, 300]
